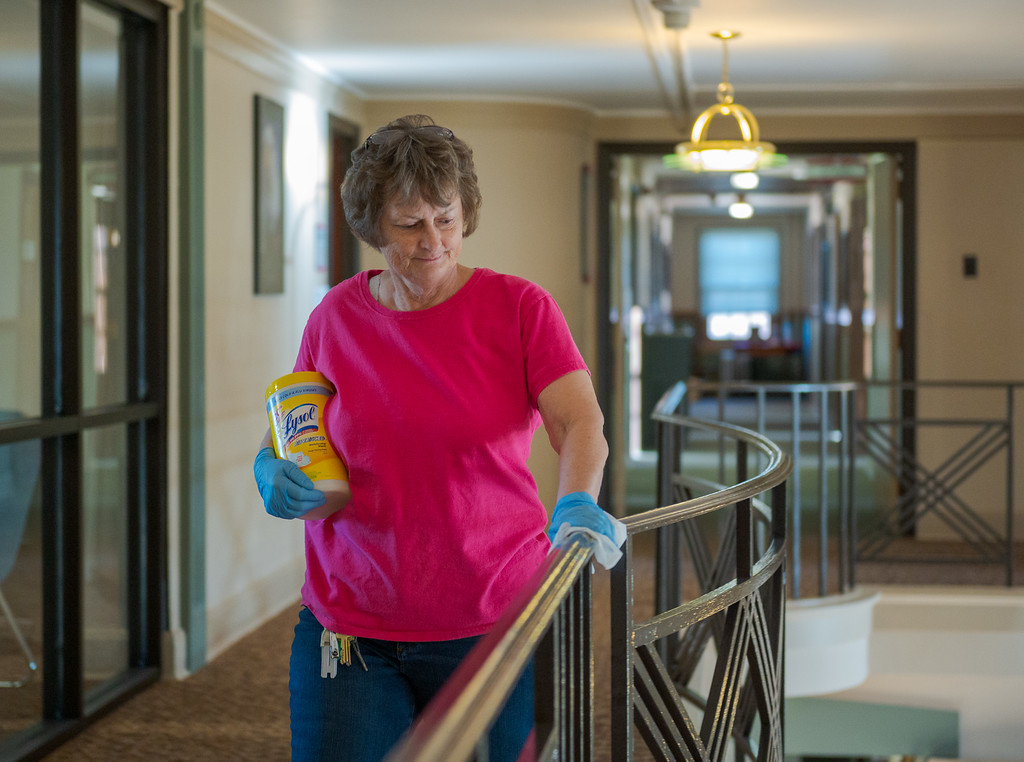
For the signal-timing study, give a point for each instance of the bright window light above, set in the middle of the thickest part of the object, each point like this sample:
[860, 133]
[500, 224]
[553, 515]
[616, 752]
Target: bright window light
[739, 326]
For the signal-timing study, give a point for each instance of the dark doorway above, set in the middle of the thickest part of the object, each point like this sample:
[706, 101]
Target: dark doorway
[343, 254]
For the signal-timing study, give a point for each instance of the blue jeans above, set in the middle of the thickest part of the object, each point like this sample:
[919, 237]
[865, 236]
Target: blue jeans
[360, 714]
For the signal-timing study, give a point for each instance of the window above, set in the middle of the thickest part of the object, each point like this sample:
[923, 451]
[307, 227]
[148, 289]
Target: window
[739, 281]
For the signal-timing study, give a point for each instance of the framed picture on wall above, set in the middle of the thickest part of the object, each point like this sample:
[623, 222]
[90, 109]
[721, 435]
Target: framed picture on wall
[268, 142]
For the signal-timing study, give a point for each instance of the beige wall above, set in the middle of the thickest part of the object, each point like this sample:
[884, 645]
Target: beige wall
[254, 563]
[971, 195]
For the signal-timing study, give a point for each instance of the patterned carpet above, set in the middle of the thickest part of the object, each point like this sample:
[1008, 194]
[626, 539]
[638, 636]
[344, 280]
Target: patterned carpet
[234, 708]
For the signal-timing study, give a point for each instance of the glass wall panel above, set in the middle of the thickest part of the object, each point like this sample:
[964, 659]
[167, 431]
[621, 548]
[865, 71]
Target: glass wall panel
[65, 544]
[104, 343]
[104, 553]
[21, 618]
[104, 329]
[19, 207]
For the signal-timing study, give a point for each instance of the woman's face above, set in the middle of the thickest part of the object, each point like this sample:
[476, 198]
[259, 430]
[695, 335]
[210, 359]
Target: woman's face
[421, 241]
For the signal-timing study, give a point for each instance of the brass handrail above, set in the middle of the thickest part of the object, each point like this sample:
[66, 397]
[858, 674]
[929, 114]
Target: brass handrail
[457, 720]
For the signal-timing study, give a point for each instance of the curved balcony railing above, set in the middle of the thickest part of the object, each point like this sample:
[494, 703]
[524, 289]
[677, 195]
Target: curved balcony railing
[705, 669]
[686, 698]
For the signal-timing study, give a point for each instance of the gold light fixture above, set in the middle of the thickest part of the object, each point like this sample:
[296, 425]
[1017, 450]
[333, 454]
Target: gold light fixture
[726, 155]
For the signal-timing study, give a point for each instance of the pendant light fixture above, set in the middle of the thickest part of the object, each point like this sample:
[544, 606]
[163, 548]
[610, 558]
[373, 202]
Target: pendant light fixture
[741, 209]
[726, 155]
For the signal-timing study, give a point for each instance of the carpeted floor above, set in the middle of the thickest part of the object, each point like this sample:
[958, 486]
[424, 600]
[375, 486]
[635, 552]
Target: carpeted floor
[234, 708]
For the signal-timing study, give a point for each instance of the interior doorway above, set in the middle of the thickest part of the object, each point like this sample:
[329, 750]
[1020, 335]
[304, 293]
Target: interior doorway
[343, 248]
[800, 273]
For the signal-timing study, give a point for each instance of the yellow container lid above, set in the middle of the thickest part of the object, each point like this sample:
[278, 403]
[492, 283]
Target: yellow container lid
[300, 377]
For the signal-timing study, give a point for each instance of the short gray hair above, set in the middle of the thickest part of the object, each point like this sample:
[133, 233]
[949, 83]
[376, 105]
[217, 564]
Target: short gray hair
[408, 158]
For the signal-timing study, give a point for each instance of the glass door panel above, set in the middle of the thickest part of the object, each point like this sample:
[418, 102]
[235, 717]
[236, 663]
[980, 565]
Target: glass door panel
[21, 585]
[104, 554]
[21, 617]
[104, 336]
[103, 295]
[19, 207]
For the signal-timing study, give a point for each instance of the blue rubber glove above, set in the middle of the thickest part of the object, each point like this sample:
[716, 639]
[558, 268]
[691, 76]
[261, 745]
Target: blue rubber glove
[578, 513]
[287, 492]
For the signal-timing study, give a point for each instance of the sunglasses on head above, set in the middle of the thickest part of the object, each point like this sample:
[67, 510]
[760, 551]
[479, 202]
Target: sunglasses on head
[384, 137]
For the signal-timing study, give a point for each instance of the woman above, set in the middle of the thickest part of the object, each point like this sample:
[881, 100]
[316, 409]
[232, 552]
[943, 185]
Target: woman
[443, 374]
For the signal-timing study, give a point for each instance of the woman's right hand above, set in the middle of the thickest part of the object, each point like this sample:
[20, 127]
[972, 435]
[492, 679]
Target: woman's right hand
[287, 492]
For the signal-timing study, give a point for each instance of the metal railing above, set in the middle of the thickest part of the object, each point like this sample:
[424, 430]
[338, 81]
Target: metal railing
[665, 674]
[876, 461]
[813, 422]
[651, 681]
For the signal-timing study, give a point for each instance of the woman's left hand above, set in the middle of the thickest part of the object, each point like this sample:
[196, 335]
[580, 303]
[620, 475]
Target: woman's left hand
[579, 513]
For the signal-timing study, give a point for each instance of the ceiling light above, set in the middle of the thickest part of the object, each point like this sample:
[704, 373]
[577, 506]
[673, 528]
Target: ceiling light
[744, 180]
[726, 155]
[740, 209]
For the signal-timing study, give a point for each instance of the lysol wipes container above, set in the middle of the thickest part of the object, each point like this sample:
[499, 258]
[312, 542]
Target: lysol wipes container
[295, 405]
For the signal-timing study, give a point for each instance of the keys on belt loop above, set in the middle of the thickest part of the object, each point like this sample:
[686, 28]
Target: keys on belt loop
[335, 648]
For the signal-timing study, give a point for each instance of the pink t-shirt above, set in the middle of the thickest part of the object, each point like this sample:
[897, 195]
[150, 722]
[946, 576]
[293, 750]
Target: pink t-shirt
[434, 416]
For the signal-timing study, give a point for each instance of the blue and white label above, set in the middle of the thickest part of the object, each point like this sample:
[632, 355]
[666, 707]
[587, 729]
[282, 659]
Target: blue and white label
[300, 420]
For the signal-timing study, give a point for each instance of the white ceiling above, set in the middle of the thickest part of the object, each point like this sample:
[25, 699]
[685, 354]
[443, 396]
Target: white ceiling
[821, 56]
